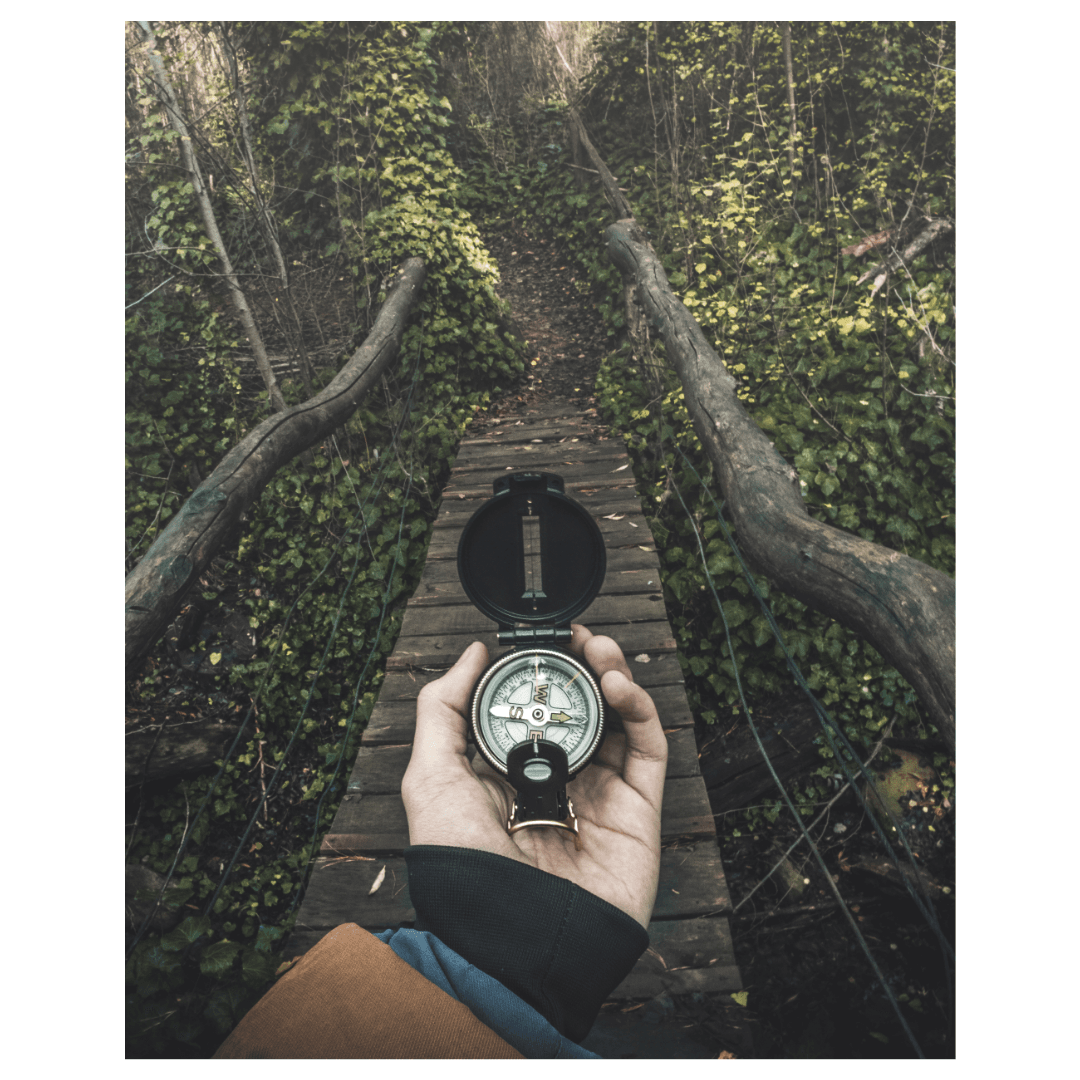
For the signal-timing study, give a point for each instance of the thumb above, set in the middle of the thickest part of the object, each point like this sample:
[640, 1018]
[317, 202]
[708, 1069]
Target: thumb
[441, 709]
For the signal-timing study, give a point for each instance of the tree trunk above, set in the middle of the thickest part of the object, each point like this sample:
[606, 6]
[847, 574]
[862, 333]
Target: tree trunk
[934, 229]
[902, 607]
[785, 31]
[611, 188]
[155, 589]
[187, 153]
[181, 749]
[266, 222]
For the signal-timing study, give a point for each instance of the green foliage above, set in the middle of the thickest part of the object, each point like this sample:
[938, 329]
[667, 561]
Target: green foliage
[353, 120]
[855, 390]
[182, 406]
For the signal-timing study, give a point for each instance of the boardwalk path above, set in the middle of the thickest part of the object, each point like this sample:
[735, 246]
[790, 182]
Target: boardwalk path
[690, 939]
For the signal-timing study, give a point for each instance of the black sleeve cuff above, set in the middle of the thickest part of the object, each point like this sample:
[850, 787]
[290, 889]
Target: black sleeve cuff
[555, 945]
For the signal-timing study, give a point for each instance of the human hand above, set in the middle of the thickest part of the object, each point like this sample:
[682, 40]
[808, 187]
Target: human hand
[617, 797]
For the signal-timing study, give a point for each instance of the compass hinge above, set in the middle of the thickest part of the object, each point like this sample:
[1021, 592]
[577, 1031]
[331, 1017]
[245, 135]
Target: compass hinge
[535, 635]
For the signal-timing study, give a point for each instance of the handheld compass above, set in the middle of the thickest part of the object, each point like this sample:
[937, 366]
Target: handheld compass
[532, 559]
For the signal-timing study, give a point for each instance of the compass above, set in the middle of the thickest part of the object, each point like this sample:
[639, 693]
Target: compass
[532, 559]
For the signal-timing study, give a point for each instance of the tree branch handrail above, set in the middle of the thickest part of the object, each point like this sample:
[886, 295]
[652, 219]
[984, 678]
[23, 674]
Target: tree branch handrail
[155, 588]
[902, 607]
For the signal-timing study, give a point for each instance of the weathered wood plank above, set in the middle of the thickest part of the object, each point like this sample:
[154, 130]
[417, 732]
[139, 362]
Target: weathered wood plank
[377, 823]
[341, 895]
[691, 884]
[477, 485]
[540, 456]
[454, 512]
[465, 619]
[691, 881]
[684, 955]
[378, 770]
[630, 562]
[553, 431]
[631, 528]
[437, 650]
[448, 592]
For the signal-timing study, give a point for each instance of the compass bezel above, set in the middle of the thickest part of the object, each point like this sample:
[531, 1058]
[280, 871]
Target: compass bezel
[516, 657]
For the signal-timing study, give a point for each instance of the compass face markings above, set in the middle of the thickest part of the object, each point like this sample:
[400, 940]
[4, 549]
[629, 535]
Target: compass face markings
[537, 694]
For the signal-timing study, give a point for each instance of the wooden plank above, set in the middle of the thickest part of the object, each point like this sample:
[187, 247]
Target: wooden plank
[682, 752]
[549, 410]
[477, 485]
[569, 426]
[376, 823]
[652, 639]
[539, 456]
[391, 723]
[632, 562]
[448, 592]
[684, 955]
[631, 528]
[691, 884]
[378, 770]
[465, 619]
[454, 512]
[339, 893]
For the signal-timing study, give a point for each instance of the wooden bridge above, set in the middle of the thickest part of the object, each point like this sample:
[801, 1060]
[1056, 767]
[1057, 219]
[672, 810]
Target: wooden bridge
[690, 938]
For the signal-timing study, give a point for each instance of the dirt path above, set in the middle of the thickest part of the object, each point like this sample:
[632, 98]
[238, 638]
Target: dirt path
[552, 312]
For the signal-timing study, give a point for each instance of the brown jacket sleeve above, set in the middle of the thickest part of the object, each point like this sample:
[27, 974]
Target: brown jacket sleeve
[352, 996]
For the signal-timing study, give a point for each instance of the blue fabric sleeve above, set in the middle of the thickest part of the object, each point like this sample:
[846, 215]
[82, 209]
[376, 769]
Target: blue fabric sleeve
[490, 1002]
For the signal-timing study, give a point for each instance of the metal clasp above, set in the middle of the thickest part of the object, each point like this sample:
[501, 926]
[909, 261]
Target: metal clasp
[570, 824]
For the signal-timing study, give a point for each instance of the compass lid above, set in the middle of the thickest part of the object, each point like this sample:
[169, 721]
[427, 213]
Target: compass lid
[531, 554]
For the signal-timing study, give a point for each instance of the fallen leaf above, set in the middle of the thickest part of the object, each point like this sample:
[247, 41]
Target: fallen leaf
[380, 878]
[621, 467]
[614, 517]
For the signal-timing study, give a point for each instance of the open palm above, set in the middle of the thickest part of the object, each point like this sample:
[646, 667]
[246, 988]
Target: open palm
[454, 802]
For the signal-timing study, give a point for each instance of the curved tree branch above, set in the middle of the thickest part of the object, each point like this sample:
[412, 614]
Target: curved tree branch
[155, 588]
[902, 607]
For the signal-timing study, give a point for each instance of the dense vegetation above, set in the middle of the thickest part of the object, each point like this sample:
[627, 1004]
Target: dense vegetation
[371, 142]
[856, 390]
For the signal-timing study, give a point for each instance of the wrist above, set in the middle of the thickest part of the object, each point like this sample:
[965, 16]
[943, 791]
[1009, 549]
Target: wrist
[557, 946]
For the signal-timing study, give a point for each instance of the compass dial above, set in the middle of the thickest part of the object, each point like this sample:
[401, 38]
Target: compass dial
[538, 693]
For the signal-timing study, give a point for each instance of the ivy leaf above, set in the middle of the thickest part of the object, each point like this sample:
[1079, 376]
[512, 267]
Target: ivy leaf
[187, 933]
[218, 957]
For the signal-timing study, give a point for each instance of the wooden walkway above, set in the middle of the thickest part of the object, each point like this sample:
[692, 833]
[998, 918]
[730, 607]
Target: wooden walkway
[690, 938]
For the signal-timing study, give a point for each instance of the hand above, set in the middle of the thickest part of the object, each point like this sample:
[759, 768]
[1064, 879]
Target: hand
[617, 797]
